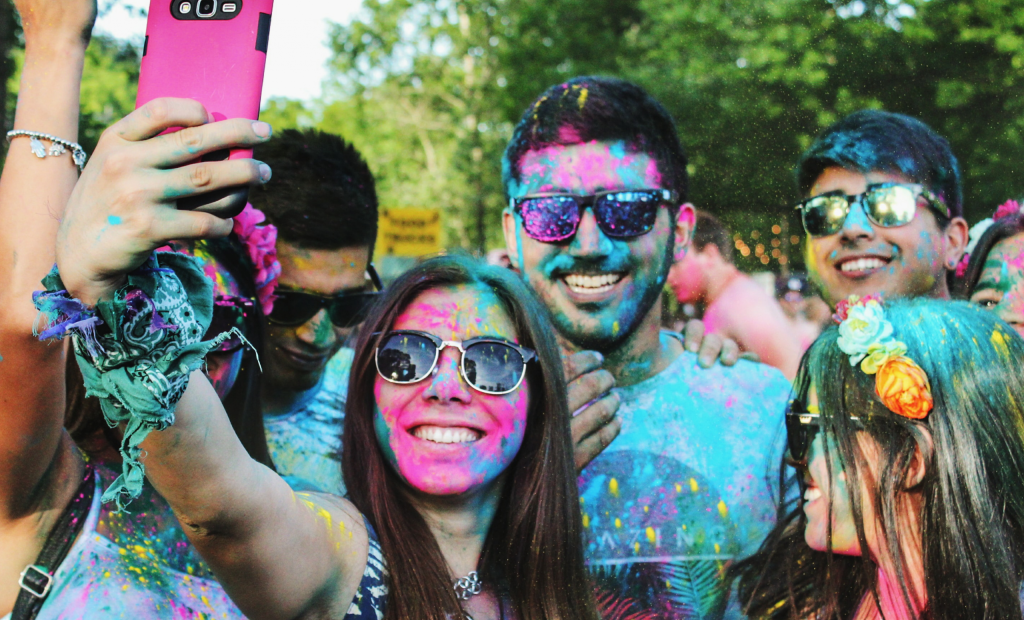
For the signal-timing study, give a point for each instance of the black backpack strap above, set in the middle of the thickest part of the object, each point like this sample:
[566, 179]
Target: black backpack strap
[37, 579]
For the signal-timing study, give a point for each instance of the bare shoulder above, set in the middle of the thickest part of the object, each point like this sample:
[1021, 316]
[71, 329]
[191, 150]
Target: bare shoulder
[347, 532]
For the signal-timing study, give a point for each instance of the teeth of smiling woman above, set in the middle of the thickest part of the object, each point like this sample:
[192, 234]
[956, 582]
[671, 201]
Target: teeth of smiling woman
[812, 494]
[442, 434]
[592, 284]
[862, 264]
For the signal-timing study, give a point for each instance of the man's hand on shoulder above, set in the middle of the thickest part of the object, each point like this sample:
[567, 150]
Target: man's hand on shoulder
[593, 405]
[711, 347]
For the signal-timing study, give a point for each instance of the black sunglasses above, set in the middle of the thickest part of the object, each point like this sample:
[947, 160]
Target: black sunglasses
[293, 308]
[489, 365]
[801, 427]
[229, 312]
[888, 205]
[620, 214]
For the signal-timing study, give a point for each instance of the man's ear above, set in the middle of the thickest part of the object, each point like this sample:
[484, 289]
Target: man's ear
[685, 221]
[956, 241]
[508, 228]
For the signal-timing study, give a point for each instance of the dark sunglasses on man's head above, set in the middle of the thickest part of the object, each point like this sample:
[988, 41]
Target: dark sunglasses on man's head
[620, 214]
[489, 365]
[888, 205]
[228, 312]
[293, 308]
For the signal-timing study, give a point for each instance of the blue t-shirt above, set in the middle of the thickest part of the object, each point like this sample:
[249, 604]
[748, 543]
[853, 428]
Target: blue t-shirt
[306, 443]
[685, 487]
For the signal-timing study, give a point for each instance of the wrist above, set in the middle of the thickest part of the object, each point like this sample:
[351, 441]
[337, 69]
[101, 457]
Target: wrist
[91, 291]
[54, 46]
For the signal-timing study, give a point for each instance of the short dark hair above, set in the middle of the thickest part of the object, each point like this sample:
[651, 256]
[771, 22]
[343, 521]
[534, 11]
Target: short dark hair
[885, 141]
[322, 196]
[709, 230]
[604, 109]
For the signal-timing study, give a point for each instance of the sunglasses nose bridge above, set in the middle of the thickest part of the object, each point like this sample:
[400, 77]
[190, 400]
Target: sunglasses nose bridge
[858, 221]
[590, 238]
[447, 381]
[452, 361]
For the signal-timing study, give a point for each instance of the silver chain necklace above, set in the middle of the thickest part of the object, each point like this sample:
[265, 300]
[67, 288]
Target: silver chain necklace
[468, 586]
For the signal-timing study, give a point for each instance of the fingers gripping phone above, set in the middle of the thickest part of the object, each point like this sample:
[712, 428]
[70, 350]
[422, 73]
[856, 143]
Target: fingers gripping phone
[213, 51]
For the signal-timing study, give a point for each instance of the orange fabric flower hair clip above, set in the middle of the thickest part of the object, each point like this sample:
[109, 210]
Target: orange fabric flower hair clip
[866, 336]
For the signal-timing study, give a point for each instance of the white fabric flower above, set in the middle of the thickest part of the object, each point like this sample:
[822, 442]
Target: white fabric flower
[864, 326]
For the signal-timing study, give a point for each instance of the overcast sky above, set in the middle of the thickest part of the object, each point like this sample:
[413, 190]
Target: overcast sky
[297, 53]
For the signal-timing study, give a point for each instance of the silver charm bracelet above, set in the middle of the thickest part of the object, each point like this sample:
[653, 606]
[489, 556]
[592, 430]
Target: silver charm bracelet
[58, 146]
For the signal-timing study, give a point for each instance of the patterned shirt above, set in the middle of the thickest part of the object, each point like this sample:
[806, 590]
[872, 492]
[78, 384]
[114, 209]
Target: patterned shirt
[683, 490]
[368, 603]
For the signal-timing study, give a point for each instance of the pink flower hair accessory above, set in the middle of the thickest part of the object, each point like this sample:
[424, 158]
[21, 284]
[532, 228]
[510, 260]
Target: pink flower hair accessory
[844, 306]
[260, 242]
[1008, 208]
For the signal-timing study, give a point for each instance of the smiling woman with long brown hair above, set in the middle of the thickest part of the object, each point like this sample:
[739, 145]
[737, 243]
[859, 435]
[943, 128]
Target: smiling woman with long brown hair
[532, 554]
[457, 446]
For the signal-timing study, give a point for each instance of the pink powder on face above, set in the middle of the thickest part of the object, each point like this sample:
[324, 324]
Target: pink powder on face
[585, 168]
[445, 400]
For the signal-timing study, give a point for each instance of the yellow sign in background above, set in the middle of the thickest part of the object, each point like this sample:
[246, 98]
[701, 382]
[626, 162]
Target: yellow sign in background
[409, 232]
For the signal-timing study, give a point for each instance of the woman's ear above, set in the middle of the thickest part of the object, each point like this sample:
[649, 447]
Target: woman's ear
[922, 458]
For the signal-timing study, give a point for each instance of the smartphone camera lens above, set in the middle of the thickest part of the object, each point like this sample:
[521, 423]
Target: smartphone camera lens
[206, 8]
[185, 8]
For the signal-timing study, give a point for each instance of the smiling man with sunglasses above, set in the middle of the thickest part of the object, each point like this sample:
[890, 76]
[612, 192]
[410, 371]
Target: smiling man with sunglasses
[324, 203]
[883, 212]
[596, 182]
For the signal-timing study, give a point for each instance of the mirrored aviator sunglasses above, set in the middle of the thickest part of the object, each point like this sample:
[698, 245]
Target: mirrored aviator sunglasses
[488, 365]
[888, 205]
[621, 214]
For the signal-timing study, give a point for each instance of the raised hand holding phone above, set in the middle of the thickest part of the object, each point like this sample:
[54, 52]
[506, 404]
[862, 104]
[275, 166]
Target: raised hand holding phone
[125, 204]
[215, 52]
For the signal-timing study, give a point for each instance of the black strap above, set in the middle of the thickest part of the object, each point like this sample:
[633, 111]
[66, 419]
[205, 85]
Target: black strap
[37, 578]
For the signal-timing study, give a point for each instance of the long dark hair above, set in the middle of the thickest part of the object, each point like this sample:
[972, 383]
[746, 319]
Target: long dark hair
[1003, 228]
[972, 520]
[533, 551]
[84, 420]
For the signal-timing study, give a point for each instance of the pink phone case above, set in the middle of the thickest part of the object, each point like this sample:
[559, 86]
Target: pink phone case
[218, 62]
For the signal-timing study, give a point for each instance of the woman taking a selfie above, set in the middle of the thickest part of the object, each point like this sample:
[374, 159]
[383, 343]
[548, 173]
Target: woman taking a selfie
[457, 449]
[907, 433]
[63, 553]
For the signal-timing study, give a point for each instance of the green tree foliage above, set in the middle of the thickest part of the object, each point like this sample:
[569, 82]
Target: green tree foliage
[429, 91]
[749, 82]
[109, 83]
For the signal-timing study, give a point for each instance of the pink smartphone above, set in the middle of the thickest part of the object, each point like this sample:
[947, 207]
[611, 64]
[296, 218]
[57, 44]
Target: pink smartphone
[213, 51]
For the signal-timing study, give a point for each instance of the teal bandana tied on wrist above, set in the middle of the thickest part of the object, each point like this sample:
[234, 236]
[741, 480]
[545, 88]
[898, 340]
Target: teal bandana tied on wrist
[136, 351]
